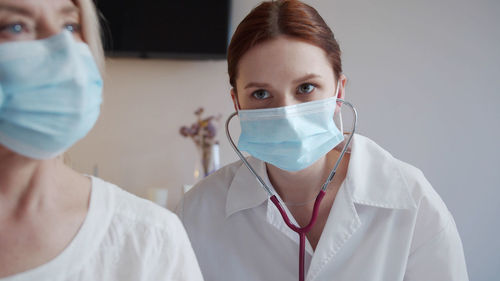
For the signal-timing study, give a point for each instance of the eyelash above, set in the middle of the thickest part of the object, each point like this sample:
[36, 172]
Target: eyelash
[11, 26]
[308, 84]
[24, 28]
[258, 91]
[315, 86]
[76, 27]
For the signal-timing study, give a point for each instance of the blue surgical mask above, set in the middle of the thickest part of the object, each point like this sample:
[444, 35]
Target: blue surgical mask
[50, 95]
[291, 137]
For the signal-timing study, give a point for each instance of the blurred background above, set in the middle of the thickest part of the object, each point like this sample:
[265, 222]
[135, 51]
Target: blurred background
[424, 76]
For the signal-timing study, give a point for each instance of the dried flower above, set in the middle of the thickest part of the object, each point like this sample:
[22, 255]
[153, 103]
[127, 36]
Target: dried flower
[203, 133]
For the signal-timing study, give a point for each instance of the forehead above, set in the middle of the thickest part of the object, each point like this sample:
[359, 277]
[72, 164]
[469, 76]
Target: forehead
[283, 56]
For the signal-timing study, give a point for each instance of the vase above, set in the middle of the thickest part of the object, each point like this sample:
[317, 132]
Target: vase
[207, 160]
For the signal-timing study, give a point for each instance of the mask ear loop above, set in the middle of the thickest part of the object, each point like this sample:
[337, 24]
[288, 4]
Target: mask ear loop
[341, 122]
[339, 114]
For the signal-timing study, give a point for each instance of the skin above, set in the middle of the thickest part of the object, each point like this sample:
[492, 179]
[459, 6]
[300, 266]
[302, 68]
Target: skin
[43, 203]
[282, 72]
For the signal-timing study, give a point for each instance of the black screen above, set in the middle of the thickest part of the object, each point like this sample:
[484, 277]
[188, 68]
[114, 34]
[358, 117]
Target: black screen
[166, 28]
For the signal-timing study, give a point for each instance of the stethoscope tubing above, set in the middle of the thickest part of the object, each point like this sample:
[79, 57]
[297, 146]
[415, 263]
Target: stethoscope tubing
[302, 231]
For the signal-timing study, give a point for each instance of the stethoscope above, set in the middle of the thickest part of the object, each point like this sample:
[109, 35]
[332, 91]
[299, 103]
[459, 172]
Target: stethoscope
[302, 231]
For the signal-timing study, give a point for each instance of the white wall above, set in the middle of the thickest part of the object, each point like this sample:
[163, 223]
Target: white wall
[424, 76]
[136, 143]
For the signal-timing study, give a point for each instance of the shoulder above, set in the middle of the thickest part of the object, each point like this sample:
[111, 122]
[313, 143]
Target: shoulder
[138, 219]
[378, 175]
[436, 251]
[143, 237]
[432, 212]
[203, 208]
[419, 187]
[402, 186]
[212, 189]
[432, 217]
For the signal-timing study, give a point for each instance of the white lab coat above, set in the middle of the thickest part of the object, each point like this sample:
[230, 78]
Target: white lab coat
[387, 224]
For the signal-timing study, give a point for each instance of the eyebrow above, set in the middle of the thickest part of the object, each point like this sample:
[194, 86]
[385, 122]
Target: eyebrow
[264, 85]
[70, 9]
[256, 85]
[306, 77]
[16, 9]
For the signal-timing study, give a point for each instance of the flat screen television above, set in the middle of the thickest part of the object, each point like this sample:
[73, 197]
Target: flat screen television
[185, 29]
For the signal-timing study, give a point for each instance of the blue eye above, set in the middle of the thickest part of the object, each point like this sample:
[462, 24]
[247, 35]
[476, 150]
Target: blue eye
[14, 28]
[306, 88]
[72, 27]
[261, 94]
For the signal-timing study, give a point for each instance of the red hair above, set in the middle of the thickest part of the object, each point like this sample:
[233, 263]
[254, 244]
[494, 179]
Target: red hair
[289, 18]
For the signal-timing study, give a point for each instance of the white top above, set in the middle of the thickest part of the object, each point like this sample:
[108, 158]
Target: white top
[122, 238]
[387, 224]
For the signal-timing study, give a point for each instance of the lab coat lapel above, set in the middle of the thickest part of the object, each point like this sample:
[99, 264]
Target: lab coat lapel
[371, 180]
[342, 223]
[245, 191]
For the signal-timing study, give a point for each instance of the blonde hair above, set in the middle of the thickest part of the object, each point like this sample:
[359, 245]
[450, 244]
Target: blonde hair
[91, 31]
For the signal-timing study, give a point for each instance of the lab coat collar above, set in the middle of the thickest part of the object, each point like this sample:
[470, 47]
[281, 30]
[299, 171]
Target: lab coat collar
[373, 179]
[245, 191]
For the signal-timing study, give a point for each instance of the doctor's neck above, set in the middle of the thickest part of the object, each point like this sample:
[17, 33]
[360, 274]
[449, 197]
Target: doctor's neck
[303, 186]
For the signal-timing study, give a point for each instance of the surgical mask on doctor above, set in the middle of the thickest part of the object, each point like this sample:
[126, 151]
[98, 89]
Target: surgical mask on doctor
[50, 95]
[291, 137]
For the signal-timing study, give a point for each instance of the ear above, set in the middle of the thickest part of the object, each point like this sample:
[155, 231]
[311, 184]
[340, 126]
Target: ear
[234, 96]
[343, 81]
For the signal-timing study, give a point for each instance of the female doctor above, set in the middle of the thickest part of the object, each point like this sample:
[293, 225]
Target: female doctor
[56, 224]
[375, 218]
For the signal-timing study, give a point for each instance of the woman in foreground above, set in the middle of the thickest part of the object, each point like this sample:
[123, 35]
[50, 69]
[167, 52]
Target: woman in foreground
[56, 224]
